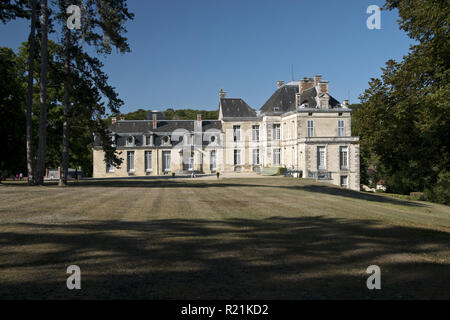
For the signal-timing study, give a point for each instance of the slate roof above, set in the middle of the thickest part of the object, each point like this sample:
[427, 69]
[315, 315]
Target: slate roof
[137, 128]
[236, 108]
[284, 99]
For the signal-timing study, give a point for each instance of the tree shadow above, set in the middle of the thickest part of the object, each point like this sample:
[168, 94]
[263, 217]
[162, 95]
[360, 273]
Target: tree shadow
[276, 258]
[185, 182]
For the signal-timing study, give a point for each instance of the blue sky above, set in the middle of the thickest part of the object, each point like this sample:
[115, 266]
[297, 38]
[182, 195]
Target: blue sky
[184, 51]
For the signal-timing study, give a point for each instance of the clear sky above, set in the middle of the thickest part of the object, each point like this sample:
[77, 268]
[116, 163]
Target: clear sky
[184, 51]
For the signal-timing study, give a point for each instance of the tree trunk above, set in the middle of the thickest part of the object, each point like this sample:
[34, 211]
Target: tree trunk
[65, 142]
[43, 95]
[29, 129]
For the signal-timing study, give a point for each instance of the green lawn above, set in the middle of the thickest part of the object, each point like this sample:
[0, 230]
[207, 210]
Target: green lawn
[256, 238]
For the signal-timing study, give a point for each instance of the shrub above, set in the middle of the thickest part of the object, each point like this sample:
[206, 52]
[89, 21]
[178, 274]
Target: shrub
[440, 192]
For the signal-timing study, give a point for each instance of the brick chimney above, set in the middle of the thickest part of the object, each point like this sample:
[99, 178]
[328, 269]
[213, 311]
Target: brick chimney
[305, 84]
[155, 122]
[323, 87]
[199, 119]
[280, 83]
[113, 120]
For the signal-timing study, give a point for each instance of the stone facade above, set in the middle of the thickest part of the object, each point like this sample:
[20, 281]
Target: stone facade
[301, 127]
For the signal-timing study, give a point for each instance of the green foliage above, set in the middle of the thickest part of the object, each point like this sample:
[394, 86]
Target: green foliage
[170, 114]
[439, 192]
[405, 116]
[12, 115]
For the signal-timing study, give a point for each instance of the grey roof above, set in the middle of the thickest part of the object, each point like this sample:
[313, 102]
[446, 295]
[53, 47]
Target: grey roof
[284, 99]
[236, 108]
[137, 128]
[143, 126]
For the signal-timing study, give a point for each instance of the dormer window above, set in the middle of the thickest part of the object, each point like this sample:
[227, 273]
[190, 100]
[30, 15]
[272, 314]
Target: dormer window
[166, 140]
[276, 109]
[148, 139]
[213, 139]
[130, 141]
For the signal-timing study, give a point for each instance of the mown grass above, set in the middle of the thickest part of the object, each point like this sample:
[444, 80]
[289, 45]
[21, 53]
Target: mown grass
[262, 238]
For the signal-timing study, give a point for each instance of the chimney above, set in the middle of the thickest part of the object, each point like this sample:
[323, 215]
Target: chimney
[155, 122]
[317, 79]
[323, 87]
[222, 94]
[199, 119]
[345, 104]
[280, 83]
[113, 120]
[305, 84]
[122, 118]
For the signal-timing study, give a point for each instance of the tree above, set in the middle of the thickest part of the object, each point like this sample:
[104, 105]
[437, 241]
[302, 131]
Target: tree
[29, 116]
[108, 17]
[12, 115]
[40, 170]
[405, 117]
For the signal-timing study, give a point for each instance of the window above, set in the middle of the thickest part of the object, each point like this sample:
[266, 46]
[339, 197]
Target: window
[148, 139]
[343, 157]
[148, 161]
[310, 128]
[191, 162]
[344, 181]
[255, 157]
[341, 128]
[109, 168]
[130, 141]
[276, 157]
[237, 157]
[276, 131]
[212, 161]
[321, 158]
[236, 133]
[130, 161]
[166, 160]
[166, 140]
[255, 133]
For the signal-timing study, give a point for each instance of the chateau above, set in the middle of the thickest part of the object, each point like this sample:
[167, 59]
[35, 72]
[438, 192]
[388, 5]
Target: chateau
[301, 128]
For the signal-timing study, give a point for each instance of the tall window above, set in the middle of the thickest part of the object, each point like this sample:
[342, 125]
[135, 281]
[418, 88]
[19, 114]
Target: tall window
[276, 131]
[341, 128]
[148, 161]
[213, 160]
[256, 157]
[166, 160]
[321, 158]
[276, 157]
[343, 157]
[237, 157]
[344, 181]
[148, 140]
[255, 133]
[236, 133]
[310, 128]
[191, 162]
[109, 168]
[130, 161]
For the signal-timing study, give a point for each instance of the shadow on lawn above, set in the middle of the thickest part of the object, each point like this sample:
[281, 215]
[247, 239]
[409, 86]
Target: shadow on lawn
[276, 258]
[174, 183]
[168, 182]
